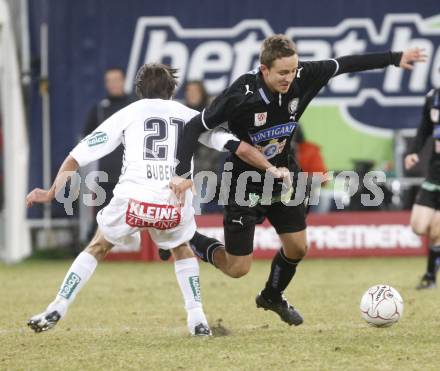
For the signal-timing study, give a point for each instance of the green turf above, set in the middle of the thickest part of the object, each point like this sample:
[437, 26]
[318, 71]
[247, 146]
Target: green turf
[130, 316]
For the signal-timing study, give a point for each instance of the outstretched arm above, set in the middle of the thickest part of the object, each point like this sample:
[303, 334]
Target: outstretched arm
[370, 61]
[41, 196]
[99, 143]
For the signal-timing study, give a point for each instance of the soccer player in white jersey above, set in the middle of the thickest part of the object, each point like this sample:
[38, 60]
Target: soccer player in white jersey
[149, 130]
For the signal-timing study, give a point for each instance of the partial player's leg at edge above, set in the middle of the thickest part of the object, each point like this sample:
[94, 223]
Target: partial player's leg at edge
[83, 267]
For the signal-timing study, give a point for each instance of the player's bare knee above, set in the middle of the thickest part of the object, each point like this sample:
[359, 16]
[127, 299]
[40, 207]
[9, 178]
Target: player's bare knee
[302, 251]
[238, 271]
[237, 266]
[420, 229]
[298, 251]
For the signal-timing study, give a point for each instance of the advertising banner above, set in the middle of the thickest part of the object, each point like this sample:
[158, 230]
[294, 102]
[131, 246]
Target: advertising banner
[333, 235]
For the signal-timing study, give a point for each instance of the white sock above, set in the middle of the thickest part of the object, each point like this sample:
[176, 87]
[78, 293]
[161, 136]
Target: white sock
[187, 273]
[79, 273]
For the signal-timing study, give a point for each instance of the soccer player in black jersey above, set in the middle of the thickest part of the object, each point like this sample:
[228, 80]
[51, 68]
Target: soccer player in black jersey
[425, 216]
[262, 108]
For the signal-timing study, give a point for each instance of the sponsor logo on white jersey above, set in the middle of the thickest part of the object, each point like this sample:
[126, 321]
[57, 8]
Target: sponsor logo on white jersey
[147, 215]
[97, 138]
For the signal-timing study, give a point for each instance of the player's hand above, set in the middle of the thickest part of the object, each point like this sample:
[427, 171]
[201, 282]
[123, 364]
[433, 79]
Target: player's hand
[411, 160]
[179, 186]
[39, 196]
[410, 56]
[285, 175]
[278, 172]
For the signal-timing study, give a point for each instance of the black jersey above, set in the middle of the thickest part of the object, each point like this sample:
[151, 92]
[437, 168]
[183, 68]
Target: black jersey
[264, 119]
[430, 126]
[267, 120]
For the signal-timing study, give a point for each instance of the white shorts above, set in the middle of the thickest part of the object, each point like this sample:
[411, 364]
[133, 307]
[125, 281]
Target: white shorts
[122, 219]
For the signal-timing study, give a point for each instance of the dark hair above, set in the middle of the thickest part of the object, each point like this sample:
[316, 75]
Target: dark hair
[274, 47]
[155, 80]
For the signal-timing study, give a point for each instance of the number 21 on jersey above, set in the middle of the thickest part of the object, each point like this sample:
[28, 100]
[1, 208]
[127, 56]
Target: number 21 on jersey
[160, 136]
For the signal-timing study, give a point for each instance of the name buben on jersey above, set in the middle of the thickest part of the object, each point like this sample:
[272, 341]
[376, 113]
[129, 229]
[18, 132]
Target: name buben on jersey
[160, 172]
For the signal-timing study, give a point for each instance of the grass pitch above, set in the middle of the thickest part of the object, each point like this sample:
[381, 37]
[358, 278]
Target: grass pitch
[130, 316]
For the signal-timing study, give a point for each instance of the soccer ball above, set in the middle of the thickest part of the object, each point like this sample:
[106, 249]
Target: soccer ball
[381, 306]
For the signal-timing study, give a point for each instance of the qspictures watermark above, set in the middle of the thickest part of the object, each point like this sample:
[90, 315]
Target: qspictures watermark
[293, 190]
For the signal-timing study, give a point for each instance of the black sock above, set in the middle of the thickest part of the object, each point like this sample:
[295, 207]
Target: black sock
[433, 261]
[281, 273]
[205, 246]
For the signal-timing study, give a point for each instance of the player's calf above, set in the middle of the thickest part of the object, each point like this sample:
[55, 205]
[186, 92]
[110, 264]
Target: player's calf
[204, 247]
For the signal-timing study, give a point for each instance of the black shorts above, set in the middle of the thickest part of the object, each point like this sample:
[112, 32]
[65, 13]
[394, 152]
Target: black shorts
[429, 199]
[239, 223]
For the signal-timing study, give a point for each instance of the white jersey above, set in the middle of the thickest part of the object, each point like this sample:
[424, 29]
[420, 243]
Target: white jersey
[149, 130]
